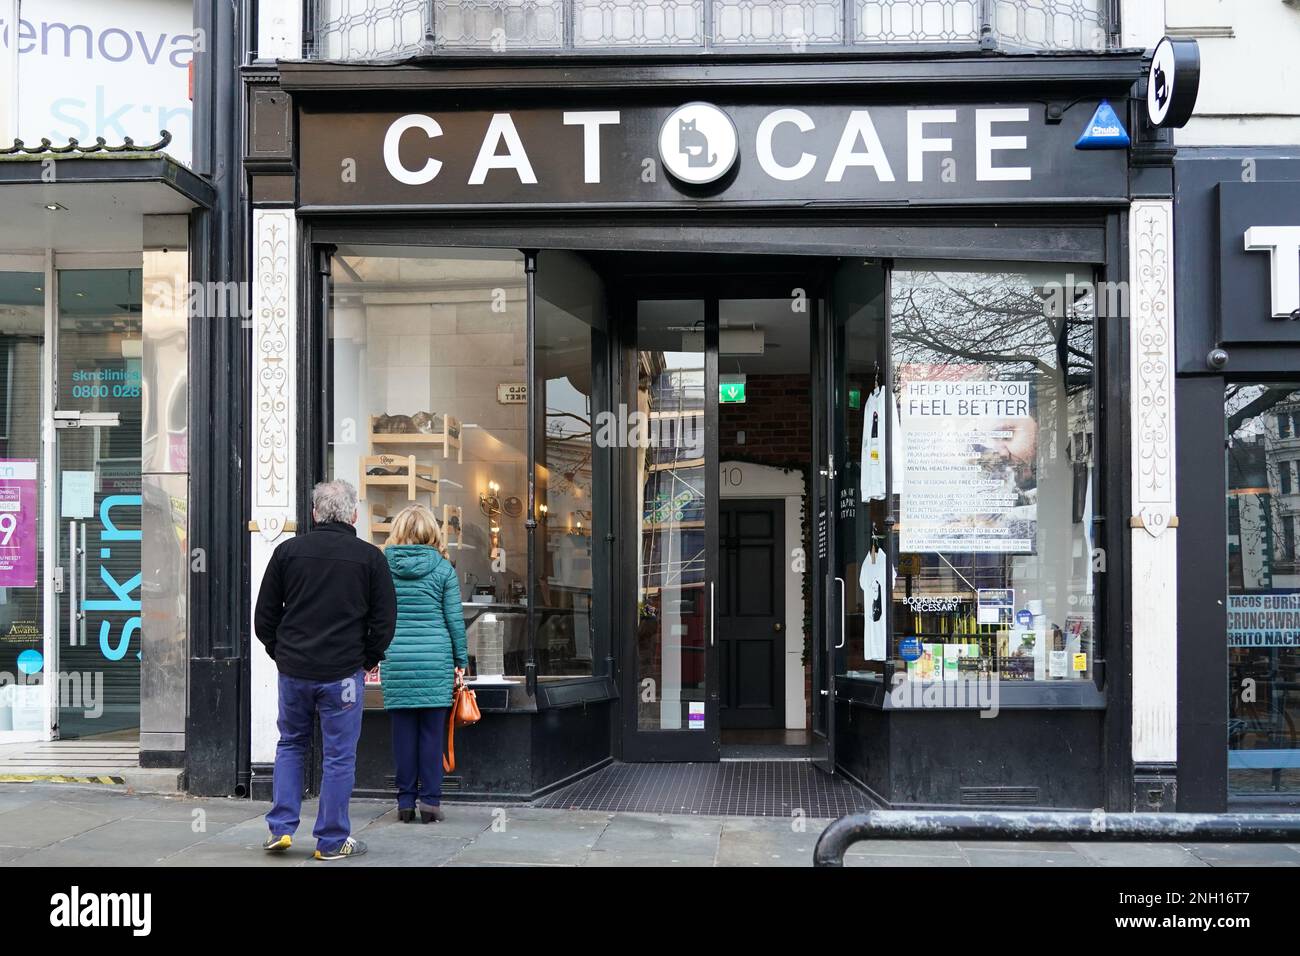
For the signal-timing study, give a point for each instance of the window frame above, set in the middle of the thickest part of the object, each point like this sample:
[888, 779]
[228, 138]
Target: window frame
[1109, 484]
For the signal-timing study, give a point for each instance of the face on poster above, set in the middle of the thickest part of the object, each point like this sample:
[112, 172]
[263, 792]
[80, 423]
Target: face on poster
[18, 523]
[970, 449]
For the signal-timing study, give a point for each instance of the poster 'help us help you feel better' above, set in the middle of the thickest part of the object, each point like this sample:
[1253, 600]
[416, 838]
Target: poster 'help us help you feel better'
[969, 451]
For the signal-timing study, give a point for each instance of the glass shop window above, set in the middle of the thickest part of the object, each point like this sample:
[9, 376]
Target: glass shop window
[430, 406]
[993, 450]
[570, 330]
[1263, 591]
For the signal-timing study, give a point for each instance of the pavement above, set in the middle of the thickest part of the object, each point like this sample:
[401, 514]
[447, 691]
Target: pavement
[67, 824]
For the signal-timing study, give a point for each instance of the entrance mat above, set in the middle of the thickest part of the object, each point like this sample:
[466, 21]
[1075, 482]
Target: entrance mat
[751, 788]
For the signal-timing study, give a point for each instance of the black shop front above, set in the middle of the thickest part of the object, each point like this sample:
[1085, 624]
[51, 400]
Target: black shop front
[770, 408]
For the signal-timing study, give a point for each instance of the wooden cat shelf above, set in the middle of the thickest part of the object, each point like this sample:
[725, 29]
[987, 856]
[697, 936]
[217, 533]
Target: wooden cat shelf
[381, 523]
[400, 472]
[442, 431]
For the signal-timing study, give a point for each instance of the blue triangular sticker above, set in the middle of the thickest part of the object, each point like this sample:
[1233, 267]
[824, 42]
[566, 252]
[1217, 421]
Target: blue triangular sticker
[1104, 130]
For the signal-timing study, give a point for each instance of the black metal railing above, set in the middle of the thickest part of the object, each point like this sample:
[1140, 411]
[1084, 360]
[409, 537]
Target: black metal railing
[1053, 826]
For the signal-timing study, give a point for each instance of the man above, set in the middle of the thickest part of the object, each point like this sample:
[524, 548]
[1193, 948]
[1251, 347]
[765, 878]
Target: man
[326, 612]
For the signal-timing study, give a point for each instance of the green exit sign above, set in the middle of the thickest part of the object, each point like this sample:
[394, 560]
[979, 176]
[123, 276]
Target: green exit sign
[731, 393]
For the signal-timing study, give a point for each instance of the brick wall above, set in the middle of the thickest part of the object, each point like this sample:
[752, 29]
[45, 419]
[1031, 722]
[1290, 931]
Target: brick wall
[776, 419]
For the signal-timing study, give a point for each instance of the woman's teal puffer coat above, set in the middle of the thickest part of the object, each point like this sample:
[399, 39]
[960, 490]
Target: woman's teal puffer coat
[417, 670]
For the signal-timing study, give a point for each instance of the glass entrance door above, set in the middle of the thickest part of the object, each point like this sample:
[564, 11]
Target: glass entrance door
[670, 434]
[97, 413]
[853, 506]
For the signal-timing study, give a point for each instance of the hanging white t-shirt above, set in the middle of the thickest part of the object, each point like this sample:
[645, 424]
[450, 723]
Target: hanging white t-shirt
[873, 448]
[874, 461]
[871, 578]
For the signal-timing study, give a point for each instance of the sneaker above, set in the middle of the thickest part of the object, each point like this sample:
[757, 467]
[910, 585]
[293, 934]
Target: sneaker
[351, 847]
[277, 844]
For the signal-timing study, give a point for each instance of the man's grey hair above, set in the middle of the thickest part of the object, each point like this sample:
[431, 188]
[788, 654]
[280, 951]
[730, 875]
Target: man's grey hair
[334, 501]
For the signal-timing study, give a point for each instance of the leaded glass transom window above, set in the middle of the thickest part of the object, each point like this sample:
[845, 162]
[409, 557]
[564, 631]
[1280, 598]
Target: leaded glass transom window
[377, 29]
[904, 21]
[758, 22]
[633, 23]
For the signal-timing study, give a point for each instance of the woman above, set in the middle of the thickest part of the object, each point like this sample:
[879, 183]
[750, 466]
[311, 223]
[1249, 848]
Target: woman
[425, 661]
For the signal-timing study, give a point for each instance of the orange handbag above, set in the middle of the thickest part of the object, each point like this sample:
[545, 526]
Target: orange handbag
[464, 711]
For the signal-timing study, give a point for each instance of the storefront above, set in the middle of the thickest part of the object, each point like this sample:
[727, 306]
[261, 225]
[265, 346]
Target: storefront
[752, 413]
[1238, 349]
[94, 289]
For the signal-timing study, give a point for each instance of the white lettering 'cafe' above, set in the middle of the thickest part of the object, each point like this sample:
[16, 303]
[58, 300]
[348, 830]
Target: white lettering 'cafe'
[859, 145]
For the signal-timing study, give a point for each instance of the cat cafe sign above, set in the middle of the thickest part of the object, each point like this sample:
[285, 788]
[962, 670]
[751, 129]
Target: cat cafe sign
[698, 153]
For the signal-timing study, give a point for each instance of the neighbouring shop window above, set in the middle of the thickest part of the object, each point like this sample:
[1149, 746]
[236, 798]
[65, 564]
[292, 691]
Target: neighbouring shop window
[430, 404]
[1263, 590]
[993, 375]
[22, 628]
[366, 29]
[570, 333]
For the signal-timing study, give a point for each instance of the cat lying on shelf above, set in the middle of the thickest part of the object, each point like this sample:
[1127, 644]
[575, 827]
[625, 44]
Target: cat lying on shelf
[421, 423]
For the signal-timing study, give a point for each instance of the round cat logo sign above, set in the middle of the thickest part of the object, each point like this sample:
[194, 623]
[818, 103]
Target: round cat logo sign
[698, 143]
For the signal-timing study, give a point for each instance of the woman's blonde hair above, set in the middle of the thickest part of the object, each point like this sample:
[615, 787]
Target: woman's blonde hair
[417, 525]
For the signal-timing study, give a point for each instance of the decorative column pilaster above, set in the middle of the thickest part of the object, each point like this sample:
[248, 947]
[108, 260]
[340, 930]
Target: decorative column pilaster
[274, 425]
[1153, 525]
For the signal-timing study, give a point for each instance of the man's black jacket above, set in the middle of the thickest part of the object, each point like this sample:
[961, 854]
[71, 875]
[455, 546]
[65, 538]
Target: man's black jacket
[326, 607]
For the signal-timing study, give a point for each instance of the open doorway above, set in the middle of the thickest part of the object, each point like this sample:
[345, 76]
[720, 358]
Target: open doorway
[726, 508]
[765, 451]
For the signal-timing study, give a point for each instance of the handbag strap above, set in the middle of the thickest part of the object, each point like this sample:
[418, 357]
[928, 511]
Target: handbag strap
[449, 758]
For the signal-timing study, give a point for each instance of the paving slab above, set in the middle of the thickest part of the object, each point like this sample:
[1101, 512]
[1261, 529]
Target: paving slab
[1034, 847]
[762, 842]
[15, 795]
[548, 841]
[48, 821]
[911, 859]
[407, 846]
[928, 848]
[657, 840]
[1023, 856]
[214, 812]
[1138, 854]
[1246, 854]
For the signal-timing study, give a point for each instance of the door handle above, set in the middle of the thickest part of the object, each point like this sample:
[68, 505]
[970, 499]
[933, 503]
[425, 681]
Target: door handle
[844, 634]
[713, 617]
[778, 627]
[73, 578]
[81, 611]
